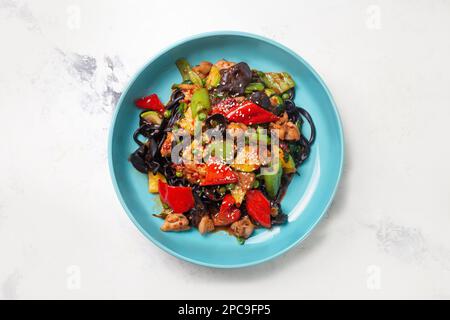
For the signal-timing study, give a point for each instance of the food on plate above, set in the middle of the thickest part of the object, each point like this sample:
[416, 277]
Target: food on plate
[222, 152]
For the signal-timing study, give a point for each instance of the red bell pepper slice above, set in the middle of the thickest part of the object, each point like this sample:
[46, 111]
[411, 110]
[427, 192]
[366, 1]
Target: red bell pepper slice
[228, 212]
[224, 106]
[180, 199]
[218, 173]
[150, 102]
[250, 113]
[258, 207]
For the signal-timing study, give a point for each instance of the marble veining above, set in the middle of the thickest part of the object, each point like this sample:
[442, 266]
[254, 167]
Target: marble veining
[103, 79]
[401, 241]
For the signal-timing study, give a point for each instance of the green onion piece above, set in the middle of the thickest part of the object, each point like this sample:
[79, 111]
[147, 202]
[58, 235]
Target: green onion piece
[257, 86]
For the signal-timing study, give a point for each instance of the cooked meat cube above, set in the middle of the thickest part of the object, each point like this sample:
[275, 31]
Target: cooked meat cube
[206, 225]
[175, 222]
[203, 68]
[243, 228]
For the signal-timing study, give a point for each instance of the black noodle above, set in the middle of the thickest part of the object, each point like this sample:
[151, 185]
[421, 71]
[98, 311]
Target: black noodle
[300, 149]
[170, 173]
[148, 156]
[308, 118]
[292, 110]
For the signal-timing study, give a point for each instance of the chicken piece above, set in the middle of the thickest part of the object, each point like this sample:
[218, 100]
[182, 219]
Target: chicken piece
[244, 184]
[235, 129]
[175, 222]
[283, 119]
[246, 179]
[187, 95]
[284, 129]
[206, 225]
[278, 126]
[236, 125]
[224, 64]
[186, 86]
[243, 228]
[203, 68]
[188, 90]
[192, 172]
[292, 132]
[278, 130]
[166, 148]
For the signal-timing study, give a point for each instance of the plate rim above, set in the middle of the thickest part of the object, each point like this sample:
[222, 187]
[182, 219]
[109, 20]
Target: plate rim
[110, 147]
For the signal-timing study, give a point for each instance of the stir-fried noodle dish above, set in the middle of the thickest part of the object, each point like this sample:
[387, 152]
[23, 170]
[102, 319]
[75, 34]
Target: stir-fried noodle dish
[222, 152]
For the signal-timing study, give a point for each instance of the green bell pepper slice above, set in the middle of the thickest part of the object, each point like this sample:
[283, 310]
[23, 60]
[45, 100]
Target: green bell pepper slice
[187, 73]
[184, 67]
[277, 81]
[272, 180]
[256, 86]
[200, 102]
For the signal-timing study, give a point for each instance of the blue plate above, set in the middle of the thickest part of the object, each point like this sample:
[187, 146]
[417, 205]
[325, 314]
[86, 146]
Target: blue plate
[309, 194]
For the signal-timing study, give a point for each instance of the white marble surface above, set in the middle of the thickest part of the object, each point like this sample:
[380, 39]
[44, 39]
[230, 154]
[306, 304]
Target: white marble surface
[63, 233]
